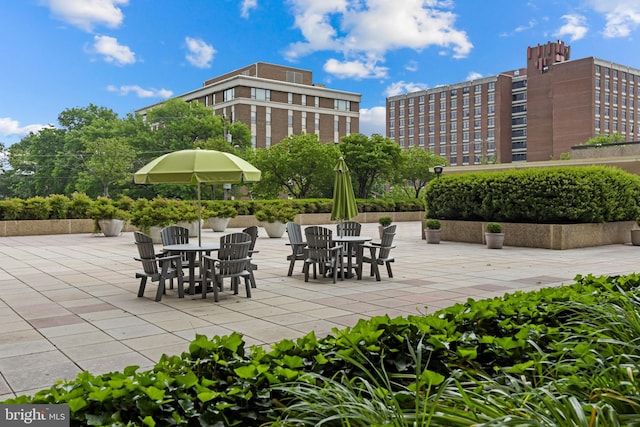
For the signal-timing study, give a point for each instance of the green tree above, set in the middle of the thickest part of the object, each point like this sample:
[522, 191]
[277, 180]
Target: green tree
[414, 172]
[299, 165]
[370, 160]
[107, 160]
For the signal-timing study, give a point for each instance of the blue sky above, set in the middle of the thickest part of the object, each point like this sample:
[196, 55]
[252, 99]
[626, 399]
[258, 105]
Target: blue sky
[126, 54]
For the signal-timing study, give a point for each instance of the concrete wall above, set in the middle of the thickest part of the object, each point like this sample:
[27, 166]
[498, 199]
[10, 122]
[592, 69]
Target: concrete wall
[547, 236]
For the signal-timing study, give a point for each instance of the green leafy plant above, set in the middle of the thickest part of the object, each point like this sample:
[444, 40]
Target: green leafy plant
[273, 213]
[494, 227]
[385, 221]
[220, 210]
[433, 224]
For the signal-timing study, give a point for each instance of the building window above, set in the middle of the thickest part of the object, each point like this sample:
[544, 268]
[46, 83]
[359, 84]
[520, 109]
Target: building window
[454, 103]
[477, 88]
[260, 94]
[290, 98]
[303, 99]
[411, 101]
[227, 95]
[454, 115]
[491, 97]
[294, 77]
[342, 105]
[491, 86]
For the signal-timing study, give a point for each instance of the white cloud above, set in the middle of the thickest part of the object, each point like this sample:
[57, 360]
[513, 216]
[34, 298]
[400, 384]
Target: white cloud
[623, 16]
[140, 92]
[112, 51]
[400, 87]
[200, 53]
[354, 69]
[247, 5]
[11, 127]
[575, 27]
[373, 120]
[411, 66]
[371, 28]
[473, 76]
[85, 14]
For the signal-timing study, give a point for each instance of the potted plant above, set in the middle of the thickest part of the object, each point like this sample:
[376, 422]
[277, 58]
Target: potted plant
[635, 234]
[108, 218]
[187, 217]
[433, 230]
[274, 218]
[494, 235]
[384, 221]
[152, 216]
[219, 215]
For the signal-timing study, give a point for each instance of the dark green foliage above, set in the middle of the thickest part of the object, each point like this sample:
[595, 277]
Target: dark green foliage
[539, 195]
[219, 381]
[36, 208]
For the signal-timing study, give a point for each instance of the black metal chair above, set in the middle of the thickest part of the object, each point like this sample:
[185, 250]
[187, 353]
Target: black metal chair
[157, 267]
[233, 262]
[321, 251]
[297, 243]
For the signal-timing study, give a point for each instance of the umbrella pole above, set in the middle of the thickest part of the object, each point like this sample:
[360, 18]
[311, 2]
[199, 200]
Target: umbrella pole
[199, 218]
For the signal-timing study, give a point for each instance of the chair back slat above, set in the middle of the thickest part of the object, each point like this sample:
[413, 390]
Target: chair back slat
[253, 232]
[386, 245]
[174, 235]
[319, 241]
[294, 231]
[349, 228]
[147, 253]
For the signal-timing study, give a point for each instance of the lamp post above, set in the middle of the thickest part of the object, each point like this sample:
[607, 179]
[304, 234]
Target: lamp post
[438, 171]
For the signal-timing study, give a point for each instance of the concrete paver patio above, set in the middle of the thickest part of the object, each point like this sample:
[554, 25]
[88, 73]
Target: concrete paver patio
[68, 302]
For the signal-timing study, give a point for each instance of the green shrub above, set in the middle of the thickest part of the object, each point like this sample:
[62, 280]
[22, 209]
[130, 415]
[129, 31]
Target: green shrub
[433, 224]
[271, 212]
[36, 208]
[494, 227]
[79, 205]
[537, 195]
[385, 221]
[59, 206]
[11, 209]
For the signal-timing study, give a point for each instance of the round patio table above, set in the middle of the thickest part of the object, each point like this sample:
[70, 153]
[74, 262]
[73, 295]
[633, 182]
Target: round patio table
[192, 251]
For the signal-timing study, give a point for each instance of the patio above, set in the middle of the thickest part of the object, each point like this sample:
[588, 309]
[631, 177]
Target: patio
[68, 302]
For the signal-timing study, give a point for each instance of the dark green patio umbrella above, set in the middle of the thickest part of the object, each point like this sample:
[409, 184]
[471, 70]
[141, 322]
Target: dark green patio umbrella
[344, 200]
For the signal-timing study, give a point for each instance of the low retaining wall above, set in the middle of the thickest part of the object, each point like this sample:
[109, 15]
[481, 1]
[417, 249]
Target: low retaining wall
[74, 226]
[547, 236]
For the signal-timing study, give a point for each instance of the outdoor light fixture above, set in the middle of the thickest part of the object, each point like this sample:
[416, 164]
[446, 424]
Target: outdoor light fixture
[438, 171]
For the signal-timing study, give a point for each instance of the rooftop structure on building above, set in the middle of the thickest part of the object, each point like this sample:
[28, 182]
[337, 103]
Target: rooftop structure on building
[535, 113]
[275, 102]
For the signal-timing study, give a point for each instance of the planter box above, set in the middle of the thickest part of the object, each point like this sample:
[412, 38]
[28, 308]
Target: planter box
[547, 236]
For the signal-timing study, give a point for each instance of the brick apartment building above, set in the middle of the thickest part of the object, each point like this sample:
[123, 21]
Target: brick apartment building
[276, 101]
[531, 114]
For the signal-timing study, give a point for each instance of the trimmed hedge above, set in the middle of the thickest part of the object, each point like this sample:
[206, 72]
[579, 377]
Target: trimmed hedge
[559, 195]
[220, 382]
[143, 210]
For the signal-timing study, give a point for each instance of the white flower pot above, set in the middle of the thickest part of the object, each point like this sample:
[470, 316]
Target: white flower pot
[217, 223]
[433, 236]
[274, 229]
[494, 240]
[111, 227]
[192, 226]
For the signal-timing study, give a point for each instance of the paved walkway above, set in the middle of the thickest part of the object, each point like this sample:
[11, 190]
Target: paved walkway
[68, 302]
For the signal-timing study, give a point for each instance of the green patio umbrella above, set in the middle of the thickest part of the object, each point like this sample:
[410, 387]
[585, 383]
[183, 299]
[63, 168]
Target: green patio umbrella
[196, 167]
[344, 200]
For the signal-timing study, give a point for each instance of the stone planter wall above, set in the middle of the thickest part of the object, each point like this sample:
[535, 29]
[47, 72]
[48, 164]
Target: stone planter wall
[547, 236]
[75, 226]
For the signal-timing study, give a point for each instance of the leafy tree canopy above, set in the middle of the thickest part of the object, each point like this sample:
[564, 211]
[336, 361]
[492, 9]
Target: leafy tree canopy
[370, 160]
